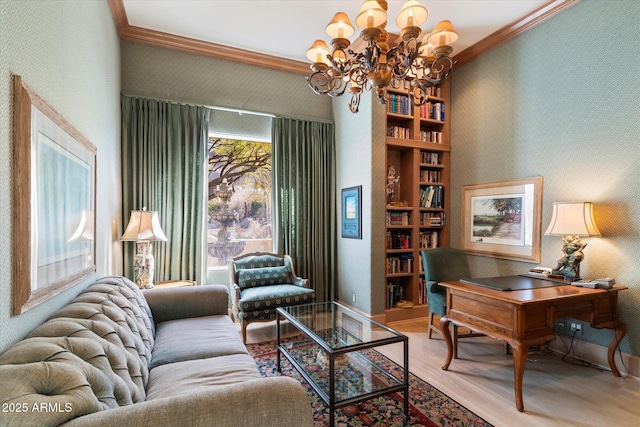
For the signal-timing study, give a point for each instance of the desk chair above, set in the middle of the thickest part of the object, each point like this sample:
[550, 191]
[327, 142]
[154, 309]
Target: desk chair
[444, 265]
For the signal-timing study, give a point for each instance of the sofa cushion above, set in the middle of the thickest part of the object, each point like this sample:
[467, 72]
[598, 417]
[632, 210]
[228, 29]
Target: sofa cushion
[193, 376]
[265, 276]
[195, 338]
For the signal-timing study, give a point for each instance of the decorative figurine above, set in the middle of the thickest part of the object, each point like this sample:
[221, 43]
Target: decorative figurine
[569, 265]
[393, 185]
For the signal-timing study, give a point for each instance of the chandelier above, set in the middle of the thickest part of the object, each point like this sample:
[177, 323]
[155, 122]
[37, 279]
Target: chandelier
[412, 65]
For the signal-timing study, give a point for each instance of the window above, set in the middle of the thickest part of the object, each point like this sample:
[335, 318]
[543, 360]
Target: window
[239, 205]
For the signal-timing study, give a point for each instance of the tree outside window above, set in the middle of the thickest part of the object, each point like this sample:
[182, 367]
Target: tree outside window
[246, 165]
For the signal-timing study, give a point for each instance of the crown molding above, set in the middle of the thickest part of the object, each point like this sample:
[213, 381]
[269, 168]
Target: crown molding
[158, 38]
[512, 30]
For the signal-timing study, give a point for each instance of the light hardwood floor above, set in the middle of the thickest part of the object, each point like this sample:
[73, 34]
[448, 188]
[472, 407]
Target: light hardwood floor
[555, 393]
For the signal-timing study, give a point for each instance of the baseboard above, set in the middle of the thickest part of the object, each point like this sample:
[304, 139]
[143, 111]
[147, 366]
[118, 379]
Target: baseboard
[627, 364]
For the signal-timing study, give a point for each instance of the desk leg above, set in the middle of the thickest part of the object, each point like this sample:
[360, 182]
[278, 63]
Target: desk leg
[520, 352]
[446, 333]
[618, 333]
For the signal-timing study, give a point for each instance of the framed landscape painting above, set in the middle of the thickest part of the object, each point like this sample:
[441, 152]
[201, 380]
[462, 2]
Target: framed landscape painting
[503, 219]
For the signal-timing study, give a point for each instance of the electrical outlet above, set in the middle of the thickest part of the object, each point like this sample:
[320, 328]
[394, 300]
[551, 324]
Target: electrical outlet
[576, 327]
[353, 298]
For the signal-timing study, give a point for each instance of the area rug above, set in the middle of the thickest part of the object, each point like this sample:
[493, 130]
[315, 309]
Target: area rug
[427, 406]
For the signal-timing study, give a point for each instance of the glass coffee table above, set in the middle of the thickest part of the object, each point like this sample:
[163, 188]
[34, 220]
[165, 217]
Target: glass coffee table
[335, 355]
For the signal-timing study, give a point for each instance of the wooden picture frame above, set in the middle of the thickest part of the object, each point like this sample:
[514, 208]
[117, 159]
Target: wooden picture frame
[503, 219]
[352, 212]
[53, 202]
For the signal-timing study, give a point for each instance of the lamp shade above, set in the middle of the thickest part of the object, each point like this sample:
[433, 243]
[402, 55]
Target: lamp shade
[143, 226]
[340, 26]
[318, 52]
[371, 15]
[412, 14]
[443, 34]
[572, 219]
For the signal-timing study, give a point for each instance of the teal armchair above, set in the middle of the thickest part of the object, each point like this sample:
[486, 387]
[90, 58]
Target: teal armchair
[262, 282]
[443, 265]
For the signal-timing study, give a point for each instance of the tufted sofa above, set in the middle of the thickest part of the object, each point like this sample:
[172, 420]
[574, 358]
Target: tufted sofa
[116, 356]
[261, 283]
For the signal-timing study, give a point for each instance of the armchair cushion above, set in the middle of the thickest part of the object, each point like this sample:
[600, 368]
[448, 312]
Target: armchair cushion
[258, 302]
[265, 276]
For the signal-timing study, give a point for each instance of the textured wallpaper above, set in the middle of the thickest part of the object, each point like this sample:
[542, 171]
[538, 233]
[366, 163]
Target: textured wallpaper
[561, 101]
[68, 52]
[160, 73]
[361, 158]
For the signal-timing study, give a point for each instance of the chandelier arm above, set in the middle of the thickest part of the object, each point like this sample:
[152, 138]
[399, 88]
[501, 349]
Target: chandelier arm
[441, 68]
[324, 84]
[354, 103]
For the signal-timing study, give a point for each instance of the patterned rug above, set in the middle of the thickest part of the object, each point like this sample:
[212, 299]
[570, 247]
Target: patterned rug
[427, 407]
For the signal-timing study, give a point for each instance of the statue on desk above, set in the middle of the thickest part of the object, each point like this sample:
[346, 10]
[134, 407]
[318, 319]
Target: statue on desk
[569, 265]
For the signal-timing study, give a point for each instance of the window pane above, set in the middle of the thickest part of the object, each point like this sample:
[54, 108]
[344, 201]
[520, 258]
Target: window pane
[239, 199]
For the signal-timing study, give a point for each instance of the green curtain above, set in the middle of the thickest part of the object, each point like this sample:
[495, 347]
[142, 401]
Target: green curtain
[164, 155]
[304, 199]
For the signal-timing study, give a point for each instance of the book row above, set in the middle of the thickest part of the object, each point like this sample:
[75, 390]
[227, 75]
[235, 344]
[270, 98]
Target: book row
[432, 219]
[398, 218]
[398, 240]
[398, 104]
[429, 175]
[395, 293]
[400, 264]
[432, 110]
[432, 196]
[398, 132]
[429, 157]
[431, 136]
[428, 239]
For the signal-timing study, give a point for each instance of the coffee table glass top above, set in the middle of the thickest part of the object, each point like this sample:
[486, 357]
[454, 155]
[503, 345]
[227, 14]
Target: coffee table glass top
[338, 326]
[336, 353]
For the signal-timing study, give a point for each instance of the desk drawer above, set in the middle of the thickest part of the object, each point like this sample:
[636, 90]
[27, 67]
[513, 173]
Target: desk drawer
[494, 317]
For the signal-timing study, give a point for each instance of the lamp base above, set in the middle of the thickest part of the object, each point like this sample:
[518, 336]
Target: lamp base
[143, 265]
[569, 265]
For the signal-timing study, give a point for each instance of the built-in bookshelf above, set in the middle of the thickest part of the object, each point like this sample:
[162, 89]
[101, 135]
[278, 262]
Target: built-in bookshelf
[418, 161]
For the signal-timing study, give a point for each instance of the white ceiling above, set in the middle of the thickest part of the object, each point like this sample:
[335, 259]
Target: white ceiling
[286, 28]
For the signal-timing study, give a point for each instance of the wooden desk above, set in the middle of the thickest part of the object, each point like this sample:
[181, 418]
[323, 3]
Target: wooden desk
[524, 318]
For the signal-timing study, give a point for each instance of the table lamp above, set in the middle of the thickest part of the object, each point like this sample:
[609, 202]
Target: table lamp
[571, 220]
[144, 227]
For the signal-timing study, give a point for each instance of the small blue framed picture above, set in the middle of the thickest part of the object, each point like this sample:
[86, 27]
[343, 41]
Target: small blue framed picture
[352, 212]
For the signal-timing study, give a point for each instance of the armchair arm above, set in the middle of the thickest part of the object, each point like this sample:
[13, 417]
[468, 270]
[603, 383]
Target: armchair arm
[435, 287]
[236, 297]
[275, 402]
[299, 281]
[186, 302]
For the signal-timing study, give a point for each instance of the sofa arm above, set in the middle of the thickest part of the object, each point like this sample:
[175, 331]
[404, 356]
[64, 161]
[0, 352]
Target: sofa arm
[189, 301]
[269, 402]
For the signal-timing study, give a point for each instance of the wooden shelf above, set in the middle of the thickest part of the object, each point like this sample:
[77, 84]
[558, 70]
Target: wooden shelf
[414, 161]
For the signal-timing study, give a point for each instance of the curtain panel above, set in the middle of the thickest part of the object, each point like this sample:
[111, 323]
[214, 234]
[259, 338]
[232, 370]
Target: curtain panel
[164, 155]
[304, 199]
